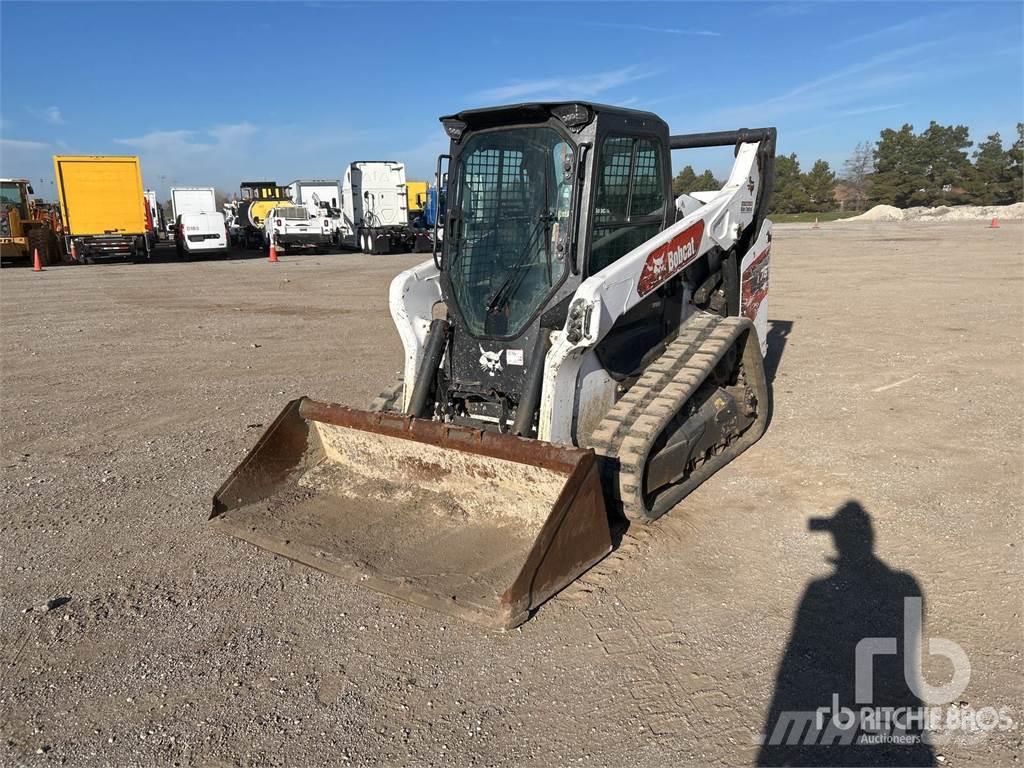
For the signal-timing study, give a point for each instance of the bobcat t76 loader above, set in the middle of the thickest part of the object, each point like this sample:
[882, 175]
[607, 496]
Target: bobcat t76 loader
[581, 351]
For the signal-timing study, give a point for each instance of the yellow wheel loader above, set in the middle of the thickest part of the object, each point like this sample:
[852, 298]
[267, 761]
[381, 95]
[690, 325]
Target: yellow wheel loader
[581, 352]
[259, 198]
[24, 228]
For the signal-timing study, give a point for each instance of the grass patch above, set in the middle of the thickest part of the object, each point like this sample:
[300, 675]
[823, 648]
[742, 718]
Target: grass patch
[791, 218]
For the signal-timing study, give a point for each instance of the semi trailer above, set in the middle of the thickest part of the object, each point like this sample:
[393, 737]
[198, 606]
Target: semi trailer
[375, 209]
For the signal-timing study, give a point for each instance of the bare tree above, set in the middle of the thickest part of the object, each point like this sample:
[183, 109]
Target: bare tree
[857, 172]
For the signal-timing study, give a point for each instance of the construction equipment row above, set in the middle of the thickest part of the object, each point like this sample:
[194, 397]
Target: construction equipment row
[103, 212]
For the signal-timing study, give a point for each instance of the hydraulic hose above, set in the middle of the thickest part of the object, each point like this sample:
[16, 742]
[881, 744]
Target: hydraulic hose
[528, 405]
[437, 340]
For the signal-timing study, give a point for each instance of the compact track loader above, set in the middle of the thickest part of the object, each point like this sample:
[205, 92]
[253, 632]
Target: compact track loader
[581, 352]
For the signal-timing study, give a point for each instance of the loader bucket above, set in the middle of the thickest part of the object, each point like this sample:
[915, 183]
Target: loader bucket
[480, 525]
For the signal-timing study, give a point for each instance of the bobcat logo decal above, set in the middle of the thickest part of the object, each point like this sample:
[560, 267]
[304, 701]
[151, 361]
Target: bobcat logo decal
[490, 361]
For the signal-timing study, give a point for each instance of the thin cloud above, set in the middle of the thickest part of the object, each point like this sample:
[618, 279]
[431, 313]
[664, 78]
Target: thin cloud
[817, 127]
[910, 25]
[844, 87]
[228, 134]
[187, 156]
[20, 145]
[859, 67]
[645, 28]
[51, 115]
[214, 139]
[156, 140]
[421, 160]
[570, 87]
[786, 10]
[870, 110]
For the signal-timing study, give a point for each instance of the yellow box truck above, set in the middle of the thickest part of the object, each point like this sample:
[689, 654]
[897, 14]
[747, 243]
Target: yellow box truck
[103, 205]
[417, 197]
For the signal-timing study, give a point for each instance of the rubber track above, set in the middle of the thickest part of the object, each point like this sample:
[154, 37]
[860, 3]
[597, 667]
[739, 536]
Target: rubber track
[631, 427]
[617, 423]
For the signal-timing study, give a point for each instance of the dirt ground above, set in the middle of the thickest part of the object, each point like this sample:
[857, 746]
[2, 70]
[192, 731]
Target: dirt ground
[129, 392]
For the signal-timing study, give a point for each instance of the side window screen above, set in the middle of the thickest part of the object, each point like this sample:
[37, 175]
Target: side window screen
[629, 204]
[648, 196]
[613, 183]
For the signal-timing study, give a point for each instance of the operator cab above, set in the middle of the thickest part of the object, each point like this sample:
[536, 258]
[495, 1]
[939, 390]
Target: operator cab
[541, 196]
[14, 196]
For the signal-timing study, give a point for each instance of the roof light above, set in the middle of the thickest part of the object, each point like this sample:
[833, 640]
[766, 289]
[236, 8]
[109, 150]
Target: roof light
[574, 116]
[454, 129]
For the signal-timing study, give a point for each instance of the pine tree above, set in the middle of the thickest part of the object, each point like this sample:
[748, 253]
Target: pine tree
[899, 169]
[947, 168]
[687, 181]
[684, 181]
[992, 182]
[789, 195]
[1016, 169]
[820, 185]
[707, 181]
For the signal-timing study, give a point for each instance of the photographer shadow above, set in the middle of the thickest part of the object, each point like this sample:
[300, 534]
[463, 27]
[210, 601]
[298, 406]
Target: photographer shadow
[862, 598]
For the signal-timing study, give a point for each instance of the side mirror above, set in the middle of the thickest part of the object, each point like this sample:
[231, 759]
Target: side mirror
[30, 190]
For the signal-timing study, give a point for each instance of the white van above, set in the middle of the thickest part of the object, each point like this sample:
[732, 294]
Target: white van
[200, 234]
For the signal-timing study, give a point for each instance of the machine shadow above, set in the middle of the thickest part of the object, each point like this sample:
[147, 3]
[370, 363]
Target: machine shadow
[778, 335]
[862, 598]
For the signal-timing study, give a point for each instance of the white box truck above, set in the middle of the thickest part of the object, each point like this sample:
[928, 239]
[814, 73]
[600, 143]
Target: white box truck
[156, 215]
[199, 228]
[374, 207]
[192, 200]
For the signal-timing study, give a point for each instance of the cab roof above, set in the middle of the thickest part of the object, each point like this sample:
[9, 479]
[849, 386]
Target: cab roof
[511, 114]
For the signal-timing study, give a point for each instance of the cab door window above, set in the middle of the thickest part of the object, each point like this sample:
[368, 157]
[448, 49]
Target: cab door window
[629, 205]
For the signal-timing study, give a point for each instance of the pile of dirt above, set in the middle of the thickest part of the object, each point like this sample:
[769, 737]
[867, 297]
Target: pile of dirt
[941, 213]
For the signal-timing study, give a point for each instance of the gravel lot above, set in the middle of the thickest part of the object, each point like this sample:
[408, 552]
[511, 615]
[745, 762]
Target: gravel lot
[129, 392]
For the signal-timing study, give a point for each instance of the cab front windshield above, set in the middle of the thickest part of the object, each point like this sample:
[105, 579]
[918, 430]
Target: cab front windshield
[12, 195]
[510, 236]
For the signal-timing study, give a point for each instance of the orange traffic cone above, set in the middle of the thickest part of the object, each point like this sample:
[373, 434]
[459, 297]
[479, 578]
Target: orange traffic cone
[273, 254]
[994, 224]
[37, 265]
[74, 252]
[815, 223]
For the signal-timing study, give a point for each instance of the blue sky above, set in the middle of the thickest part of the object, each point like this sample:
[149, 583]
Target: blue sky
[213, 93]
